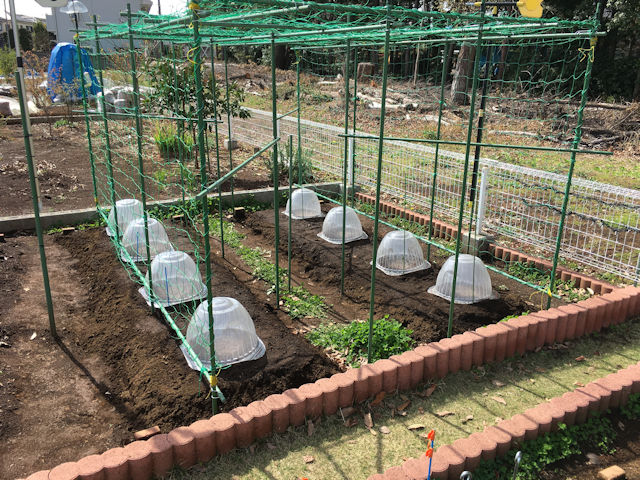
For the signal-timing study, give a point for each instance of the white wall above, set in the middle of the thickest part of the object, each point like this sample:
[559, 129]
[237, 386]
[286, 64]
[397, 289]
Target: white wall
[107, 11]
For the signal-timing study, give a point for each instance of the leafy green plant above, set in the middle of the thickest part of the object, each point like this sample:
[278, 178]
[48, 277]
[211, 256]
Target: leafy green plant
[7, 63]
[63, 122]
[161, 175]
[389, 338]
[169, 142]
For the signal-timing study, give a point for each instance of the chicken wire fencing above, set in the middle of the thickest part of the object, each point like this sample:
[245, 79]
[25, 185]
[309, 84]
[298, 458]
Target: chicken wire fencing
[523, 205]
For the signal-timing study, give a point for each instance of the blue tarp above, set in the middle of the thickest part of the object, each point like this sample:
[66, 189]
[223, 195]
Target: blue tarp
[63, 77]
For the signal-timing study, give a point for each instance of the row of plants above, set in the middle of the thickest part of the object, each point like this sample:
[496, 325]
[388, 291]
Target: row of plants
[598, 434]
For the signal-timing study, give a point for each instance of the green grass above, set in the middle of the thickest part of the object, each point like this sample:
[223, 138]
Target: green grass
[341, 452]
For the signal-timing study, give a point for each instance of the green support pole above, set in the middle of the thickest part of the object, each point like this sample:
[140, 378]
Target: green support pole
[465, 174]
[576, 143]
[353, 143]
[276, 179]
[226, 83]
[434, 183]
[86, 118]
[107, 137]
[299, 122]
[346, 162]
[143, 192]
[383, 101]
[36, 208]
[176, 106]
[197, 73]
[215, 129]
[290, 155]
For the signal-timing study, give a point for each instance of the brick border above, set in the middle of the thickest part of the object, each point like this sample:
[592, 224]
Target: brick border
[447, 231]
[202, 440]
[574, 407]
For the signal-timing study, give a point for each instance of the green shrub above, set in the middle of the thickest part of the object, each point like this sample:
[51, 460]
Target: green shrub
[169, 142]
[389, 338]
[7, 63]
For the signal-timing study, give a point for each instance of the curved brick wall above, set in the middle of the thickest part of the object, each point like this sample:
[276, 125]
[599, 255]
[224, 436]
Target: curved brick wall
[202, 440]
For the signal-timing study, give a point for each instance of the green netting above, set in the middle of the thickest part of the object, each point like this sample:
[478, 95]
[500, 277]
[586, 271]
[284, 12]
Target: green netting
[155, 133]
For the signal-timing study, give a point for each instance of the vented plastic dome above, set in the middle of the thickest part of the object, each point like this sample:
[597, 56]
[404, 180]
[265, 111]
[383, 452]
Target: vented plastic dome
[473, 283]
[129, 209]
[303, 203]
[176, 279]
[400, 253]
[134, 240]
[235, 334]
[332, 226]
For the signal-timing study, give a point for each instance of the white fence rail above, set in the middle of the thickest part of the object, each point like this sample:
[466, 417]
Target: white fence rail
[602, 228]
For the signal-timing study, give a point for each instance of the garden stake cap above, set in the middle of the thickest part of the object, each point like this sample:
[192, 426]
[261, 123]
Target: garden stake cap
[430, 436]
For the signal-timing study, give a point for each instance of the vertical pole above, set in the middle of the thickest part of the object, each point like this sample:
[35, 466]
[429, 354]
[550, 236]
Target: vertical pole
[217, 138]
[143, 192]
[176, 107]
[229, 129]
[276, 179]
[352, 159]
[576, 143]
[434, 184]
[299, 121]
[107, 137]
[290, 156]
[466, 168]
[83, 89]
[383, 101]
[24, 114]
[197, 73]
[482, 200]
[346, 161]
[20, 80]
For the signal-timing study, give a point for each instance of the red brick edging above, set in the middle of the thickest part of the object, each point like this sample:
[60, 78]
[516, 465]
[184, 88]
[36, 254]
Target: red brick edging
[447, 231]
[202, 440]
[449, 461]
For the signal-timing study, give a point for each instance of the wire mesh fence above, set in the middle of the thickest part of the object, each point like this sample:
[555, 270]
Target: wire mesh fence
[523, 204]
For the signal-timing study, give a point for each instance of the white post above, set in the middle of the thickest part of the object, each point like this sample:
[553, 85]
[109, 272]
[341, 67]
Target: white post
[482, 199]
[19, 62]
[351, 157]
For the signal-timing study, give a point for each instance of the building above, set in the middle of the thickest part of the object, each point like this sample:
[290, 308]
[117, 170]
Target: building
[62, 24]
[23, 21]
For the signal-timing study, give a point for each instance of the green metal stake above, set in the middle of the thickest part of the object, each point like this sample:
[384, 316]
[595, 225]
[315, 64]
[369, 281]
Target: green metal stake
[36, 208]
[180, 130]
[197, 73]
[143, 193]
[226, 80]
[466, 169]
[576, 143]
[353, 143]
[276, 179]
[107, 137]
[383, 101]
[299, 121]
[434, 184]
[215, 129]
[346, 160]
[86, 118]
[290, 154]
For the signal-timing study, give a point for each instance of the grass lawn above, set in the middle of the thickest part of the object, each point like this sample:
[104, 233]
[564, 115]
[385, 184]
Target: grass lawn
[461, 404]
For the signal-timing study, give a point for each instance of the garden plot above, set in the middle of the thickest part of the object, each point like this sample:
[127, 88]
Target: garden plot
[316, 265]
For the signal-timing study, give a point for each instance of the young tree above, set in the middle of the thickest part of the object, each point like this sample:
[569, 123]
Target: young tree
[41, 41]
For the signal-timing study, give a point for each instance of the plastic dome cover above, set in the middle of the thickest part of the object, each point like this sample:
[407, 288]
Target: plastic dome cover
[473, 283]
[235, 334]
[175, 279]
[400, 253]
[129, 209]
[134, 242]
[305, 204]
[332, 226]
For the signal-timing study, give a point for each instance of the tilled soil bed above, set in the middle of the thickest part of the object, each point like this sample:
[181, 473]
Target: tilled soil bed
[316, 264]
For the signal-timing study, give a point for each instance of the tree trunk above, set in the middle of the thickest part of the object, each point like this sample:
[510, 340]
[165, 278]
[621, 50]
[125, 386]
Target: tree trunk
[636, 88]
[462, 75]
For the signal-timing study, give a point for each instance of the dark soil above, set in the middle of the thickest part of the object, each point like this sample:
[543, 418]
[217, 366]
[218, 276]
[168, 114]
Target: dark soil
[64, 173]
[316, 264]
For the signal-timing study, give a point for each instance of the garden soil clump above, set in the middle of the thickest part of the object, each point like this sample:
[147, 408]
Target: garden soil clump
[317, 264]
[151, 379]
